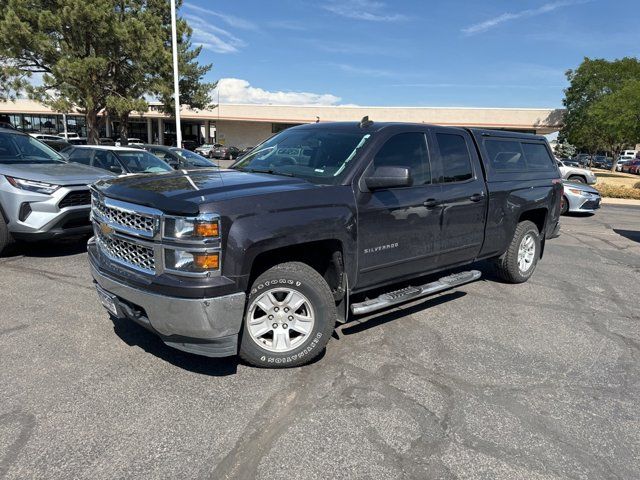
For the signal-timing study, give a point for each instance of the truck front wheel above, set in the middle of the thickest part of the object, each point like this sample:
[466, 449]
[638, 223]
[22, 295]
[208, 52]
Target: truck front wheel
[290, 317]
[518, 263]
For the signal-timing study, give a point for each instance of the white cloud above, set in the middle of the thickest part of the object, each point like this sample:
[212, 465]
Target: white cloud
[230, 20]
[370, 10]
[509, 16]
[364, 71]
[235, 90]
[213, 38]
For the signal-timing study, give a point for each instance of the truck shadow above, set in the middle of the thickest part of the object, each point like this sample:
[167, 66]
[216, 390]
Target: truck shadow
[135, 335]
[633, 235]
[47, 248]
[360, 324]
[355, 324]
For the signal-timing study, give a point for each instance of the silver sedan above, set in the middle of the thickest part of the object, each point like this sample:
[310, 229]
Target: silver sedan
[579, 198]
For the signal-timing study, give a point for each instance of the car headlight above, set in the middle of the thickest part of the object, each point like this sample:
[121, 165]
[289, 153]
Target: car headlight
[183, 261]
[32, 185]
[577, 191]
[202, 227]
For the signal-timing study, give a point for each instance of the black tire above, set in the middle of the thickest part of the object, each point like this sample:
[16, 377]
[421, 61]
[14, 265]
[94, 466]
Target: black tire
[303, 279]
[577, 179]
[5, 235]
[564, 205]
[507, 264]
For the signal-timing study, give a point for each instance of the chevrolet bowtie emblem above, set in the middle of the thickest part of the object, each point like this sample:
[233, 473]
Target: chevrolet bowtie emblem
[106, 229]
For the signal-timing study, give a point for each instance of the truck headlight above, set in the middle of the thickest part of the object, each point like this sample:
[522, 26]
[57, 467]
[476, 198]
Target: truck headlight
[183, 261]
[32, 185]
[202, 227]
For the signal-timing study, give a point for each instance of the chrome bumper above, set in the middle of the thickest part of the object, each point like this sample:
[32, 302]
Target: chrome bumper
[187, 324]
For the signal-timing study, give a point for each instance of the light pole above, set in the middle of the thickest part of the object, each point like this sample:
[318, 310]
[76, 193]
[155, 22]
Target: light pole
[176, 78]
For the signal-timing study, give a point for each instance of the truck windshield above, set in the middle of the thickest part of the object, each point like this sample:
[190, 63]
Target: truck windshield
[16, 148]
[319, 156]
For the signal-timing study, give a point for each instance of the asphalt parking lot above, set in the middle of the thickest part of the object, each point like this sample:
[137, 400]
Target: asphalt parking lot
[490, 380]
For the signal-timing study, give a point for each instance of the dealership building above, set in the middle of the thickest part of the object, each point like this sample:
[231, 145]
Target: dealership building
[246, 125]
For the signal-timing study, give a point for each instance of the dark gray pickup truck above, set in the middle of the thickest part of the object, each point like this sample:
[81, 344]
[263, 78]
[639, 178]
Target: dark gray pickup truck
[263, 259]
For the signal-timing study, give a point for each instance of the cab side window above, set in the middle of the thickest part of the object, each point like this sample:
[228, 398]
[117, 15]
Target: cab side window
[454, 154]
[407, 150]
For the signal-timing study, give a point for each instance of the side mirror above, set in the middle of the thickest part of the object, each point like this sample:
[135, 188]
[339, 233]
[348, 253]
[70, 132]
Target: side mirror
[389, 177]
[115, 169]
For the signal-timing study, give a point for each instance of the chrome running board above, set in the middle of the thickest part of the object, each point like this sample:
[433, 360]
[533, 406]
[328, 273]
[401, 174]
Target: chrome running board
[411, 293]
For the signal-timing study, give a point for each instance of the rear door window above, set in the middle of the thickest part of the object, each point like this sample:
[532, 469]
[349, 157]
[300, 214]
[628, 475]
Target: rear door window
[455, 158]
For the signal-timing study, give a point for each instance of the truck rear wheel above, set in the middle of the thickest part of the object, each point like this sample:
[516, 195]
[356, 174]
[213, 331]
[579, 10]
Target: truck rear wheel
[290, 316]
[518, 263]
[5, 236]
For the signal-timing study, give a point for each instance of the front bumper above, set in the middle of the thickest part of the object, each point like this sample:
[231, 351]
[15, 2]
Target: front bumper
[204, 326]
[47, 218]
[583, 204]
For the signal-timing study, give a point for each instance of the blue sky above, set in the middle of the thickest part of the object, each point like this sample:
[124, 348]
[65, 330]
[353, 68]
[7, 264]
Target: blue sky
[406, 52]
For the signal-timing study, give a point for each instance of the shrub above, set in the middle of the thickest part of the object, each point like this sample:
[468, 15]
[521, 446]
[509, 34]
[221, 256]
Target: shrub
[616, 191]
[636, 185]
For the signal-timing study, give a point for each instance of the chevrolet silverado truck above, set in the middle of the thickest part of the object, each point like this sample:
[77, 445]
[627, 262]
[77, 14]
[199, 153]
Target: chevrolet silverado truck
[264, 258]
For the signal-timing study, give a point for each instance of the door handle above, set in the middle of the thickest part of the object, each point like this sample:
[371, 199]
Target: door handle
[476, 197]
[430, 203]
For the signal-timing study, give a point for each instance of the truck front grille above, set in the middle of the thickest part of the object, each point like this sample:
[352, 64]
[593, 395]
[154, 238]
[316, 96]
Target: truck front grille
[129, 253]
[130, 220]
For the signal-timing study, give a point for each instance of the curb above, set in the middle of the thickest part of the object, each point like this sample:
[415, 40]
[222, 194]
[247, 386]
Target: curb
[620, 201]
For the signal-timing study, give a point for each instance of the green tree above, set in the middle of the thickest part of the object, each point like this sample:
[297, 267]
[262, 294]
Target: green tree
[148, 68]
[95, 55]
[591, 122]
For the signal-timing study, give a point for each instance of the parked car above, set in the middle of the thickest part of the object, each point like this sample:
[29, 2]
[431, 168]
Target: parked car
[118, 160]
[263, 259]
[189, 145]
[77, 140]
[579, 198]
[582, 159]
[108, 141]
[41, 195]
[622, 161]
[130, 141]
[57, 145]
[179, 158]
[224, 152]
[244, 151]
[576, 174]
[601, 161]
[630, 167]
[206, 149]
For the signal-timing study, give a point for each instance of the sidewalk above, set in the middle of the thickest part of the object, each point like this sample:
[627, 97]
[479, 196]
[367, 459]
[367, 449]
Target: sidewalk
[620, 201]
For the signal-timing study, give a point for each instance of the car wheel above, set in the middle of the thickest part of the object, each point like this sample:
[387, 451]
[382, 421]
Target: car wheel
[577, 179]
[5, 236]
[290, 316]
[518, 263]
[564, 205]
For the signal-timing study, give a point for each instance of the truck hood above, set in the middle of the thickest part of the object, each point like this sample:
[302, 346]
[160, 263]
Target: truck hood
[55, 173]
[182, 192]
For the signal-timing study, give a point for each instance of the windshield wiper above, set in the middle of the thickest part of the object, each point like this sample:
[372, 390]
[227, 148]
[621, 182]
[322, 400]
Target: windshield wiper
[270, 171]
